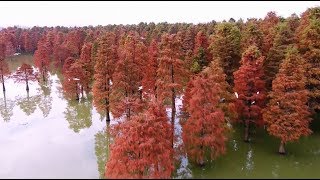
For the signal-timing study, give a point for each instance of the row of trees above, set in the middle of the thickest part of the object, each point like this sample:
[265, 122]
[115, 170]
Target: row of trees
[264, 72]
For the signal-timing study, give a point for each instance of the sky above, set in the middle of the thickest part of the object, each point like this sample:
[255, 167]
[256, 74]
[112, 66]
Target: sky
[84, 13]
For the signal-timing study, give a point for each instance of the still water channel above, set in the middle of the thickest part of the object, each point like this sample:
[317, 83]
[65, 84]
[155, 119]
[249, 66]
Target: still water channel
[44, 135]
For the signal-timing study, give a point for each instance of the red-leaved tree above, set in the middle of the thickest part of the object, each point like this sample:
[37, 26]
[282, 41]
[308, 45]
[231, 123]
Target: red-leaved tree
[106, 59]
[287, 115]
[205, 129]
[42, 57]
[25, 73]
[250, 87]
[170, 72]
[142, 148]
[4, 68]
[127, 78]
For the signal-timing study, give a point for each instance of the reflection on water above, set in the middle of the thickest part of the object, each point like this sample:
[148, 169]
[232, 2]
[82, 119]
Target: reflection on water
[78, 114]
[28, 104]
[6, 108]
[45, 102]
[102, 144]
[249, 159]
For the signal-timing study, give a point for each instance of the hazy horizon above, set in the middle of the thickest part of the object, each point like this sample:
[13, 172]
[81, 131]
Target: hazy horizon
[86, 13]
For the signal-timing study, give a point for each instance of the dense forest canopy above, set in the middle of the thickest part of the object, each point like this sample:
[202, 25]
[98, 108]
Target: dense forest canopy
[262, 73]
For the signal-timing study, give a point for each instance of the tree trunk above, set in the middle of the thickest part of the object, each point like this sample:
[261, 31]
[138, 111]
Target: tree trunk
[81, 91]
[26, 76]
[27, 88]
[107, 110]
[201, 163]
[246, 131]
[281, 148]
[3, 87]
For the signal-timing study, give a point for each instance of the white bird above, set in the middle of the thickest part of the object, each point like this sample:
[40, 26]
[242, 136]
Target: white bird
[258, 92]
[140, 88]
[236, 94]
[76, 79]
[253, 102]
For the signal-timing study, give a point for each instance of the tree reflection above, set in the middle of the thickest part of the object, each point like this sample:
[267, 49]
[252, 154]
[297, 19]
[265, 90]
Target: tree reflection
[79, 114]
[28, 104]
[102, 142]
[6, 108]
[45, 102]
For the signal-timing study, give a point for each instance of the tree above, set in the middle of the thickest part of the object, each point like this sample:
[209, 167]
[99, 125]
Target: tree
[251, 35]
[287, 115]
[201, 54]
[170, 72]
[85, 66]
[103, 73]
[225, 46]
[4, 68]
[126, 95]
[205, 129]
[25, 73]
[308, 34]
[227, 98]
[142, 149]
[42, 57]
[250, 87]
[150, 70]
[267, 27]
[71, 74]
[283, 38]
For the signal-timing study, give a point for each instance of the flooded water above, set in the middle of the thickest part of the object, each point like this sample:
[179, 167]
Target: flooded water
[43, 135]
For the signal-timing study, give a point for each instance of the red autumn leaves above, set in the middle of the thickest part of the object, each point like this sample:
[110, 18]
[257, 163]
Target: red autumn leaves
[136, 73]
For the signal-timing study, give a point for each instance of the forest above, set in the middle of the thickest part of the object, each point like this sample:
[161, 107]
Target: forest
[259, 73]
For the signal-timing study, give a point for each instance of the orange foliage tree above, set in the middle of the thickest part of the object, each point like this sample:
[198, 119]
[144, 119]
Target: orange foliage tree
[42, 57]
[25, 73]
[308, 34]
[71, 78]
[126, 95]
[142, 148]
[84, 64]
[106, 59]
[205, 130]
[287, 115]
[250, 87]
[170, 71]
[150, 70]
[4, 68]
[267, 27]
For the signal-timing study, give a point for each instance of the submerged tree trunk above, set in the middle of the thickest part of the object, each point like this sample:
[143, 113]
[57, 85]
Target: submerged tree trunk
[107, 110]
[27, 88]
[81, 91]
[281, 148]
[246, 131]
[3, 87]
[26, 77]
